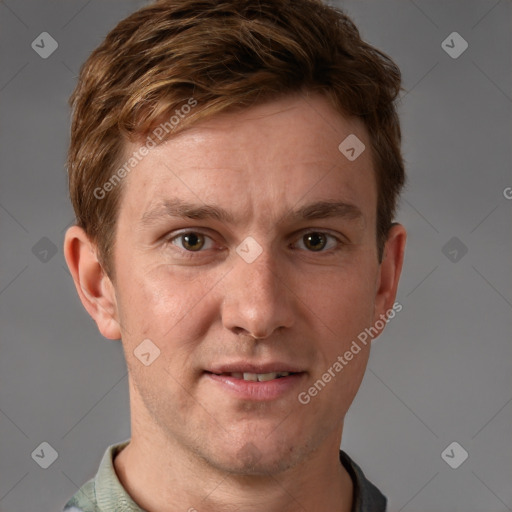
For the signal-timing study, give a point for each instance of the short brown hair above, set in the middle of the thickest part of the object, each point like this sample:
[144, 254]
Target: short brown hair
[227, 55]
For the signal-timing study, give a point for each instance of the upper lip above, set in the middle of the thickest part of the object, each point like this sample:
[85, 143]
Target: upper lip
[247, 367]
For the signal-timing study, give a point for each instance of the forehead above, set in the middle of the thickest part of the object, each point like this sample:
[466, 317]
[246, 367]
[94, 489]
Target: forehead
[264, 159]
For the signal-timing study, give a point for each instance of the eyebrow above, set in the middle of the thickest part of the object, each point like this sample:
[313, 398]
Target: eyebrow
[172, 208]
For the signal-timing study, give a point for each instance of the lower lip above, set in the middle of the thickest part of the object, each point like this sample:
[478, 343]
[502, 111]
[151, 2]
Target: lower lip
[257, 391]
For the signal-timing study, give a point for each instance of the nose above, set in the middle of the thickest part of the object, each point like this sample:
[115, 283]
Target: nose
[257, 300]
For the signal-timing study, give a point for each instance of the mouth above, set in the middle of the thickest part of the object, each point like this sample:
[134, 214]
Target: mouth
[255, 377]
[256, 383]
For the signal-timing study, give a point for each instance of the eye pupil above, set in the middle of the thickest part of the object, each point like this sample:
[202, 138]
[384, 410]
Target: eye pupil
[315, 241]
[193, 241]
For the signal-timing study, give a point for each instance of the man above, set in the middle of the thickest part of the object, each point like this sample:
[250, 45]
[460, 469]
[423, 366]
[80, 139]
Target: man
[234, 168]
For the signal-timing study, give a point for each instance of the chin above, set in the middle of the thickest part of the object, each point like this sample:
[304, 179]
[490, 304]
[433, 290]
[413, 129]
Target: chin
[255, 457]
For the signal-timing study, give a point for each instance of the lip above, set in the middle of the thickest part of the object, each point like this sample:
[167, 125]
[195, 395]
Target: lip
[248, 367]
[256, 391]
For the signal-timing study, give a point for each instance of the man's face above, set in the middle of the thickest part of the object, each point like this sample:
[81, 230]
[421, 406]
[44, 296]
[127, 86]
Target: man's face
[187, 282]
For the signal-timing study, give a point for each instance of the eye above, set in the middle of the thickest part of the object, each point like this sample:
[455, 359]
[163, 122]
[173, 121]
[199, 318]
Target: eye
[192, 241]
[316, 241]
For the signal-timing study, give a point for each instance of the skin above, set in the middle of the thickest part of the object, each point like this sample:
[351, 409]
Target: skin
[193, 444]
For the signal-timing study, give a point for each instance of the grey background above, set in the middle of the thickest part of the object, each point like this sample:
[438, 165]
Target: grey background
[441, 372]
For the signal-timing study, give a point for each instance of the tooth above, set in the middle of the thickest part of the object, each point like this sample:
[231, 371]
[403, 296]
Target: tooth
[262, 377]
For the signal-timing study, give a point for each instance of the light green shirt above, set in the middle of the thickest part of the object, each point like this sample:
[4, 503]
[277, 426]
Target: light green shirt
[104, 492]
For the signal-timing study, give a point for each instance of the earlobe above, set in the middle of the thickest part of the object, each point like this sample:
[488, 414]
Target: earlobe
[94, 287]
[390, 270]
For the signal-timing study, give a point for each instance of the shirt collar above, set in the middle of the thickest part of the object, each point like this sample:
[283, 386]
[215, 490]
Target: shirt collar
[110, 494]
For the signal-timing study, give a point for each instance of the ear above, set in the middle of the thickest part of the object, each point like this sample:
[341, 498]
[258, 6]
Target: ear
[94, 287]
[389, 273]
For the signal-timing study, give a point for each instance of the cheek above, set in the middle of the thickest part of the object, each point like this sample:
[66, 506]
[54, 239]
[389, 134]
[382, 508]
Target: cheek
[338, 315]
[161, 303]
[343, 301]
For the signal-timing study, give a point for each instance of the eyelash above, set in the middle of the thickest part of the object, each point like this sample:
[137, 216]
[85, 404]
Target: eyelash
[187, 253]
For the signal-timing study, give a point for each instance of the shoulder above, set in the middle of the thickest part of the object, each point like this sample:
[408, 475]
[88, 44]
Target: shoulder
[84, 500]
[104, 492]
[367, 497]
